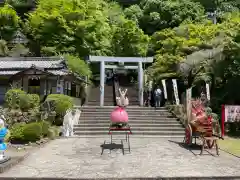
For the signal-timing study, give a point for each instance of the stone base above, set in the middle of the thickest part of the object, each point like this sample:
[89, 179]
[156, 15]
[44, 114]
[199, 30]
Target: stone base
[9, 162]
[5, 159]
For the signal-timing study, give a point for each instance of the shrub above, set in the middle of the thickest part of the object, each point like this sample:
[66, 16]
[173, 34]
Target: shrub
[16, 98]
[17, 132]
[53, 132]
[32, 132]
[13, 98]
[45, 127]
[34, 100]
[61, 103]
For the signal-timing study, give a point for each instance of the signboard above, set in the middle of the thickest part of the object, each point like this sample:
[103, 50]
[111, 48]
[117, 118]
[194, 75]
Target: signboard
[208, 91]
[189, 103]
[164, 88]
[232, 113]
[175, 91]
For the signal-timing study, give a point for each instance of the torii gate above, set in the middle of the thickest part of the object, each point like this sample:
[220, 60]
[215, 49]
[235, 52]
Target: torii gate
[103, 66]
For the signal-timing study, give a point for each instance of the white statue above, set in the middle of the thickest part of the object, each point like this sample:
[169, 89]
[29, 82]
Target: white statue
[122, 100]
[69, 121]
[76, 116]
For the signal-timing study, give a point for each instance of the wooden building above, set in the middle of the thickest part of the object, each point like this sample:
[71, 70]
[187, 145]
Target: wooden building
[38, 75]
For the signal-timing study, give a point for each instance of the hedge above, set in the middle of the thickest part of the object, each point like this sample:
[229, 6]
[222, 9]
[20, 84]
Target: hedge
[32, 132]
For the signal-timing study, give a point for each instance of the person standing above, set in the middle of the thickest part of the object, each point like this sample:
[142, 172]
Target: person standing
[158, 94]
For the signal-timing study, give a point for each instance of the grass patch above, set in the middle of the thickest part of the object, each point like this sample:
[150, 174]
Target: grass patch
[231, 145]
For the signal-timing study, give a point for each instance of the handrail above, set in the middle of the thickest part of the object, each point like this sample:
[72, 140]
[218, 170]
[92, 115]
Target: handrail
[115, 89]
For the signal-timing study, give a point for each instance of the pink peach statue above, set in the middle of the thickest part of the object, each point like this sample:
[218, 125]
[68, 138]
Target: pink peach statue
[119, 117]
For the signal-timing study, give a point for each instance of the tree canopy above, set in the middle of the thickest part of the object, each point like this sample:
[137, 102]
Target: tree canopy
[154, 15]
[9, 22]
[178, 33]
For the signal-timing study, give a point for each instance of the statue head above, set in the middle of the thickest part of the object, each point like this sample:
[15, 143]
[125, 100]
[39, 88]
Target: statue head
[2, 124]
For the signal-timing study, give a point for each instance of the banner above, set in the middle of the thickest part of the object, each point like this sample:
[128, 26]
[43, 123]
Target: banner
[69, 85]
[189, 103]
[175, 91]
[208, 91]
[232, 113]
[164, 88]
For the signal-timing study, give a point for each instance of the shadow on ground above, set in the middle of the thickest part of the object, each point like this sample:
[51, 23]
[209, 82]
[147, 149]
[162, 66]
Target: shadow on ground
[195, 149]
[112, 146]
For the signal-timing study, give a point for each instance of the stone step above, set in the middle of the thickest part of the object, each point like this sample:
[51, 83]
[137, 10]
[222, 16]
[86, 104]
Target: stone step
[170, 129]
[131, 121]
[132, 125]
[131, 118]
[110, 109]
[159, 133]
[129, 107]
[130, 112]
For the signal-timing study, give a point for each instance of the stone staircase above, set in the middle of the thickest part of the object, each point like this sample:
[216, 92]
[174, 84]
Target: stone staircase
[94, 96]
[132, 92]
[94, 121]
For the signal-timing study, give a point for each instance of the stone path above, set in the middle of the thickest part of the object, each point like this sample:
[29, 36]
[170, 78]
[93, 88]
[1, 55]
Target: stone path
[150, 157]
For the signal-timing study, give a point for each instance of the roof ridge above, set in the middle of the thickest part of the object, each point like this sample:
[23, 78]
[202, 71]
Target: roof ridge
[52, 58]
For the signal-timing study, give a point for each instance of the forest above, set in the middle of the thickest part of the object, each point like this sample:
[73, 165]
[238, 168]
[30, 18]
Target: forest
[194, 41]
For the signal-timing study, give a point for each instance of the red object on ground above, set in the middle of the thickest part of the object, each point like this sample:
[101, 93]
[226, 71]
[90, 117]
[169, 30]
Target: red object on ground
[119, 115]
[223, 119]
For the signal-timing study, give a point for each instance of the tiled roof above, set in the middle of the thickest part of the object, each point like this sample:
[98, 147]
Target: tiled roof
[58, 72]
[54, 72]
[27, 62]
[8, 72]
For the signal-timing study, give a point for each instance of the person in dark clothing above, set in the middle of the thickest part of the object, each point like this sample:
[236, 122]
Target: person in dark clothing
[157, 98]
[145, 97]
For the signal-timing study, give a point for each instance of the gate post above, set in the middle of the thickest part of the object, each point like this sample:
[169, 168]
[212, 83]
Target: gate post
[140, 83]
[102, 83]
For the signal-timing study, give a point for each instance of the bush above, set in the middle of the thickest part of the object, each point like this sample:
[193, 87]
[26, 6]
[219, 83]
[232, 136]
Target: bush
[53, 132]
[45, 127]
[13, 98]
[34, 100]
[32, 132]
[17, 132]
[16, 98]
[61, 103]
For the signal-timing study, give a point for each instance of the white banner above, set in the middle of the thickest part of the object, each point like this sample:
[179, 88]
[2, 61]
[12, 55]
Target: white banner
[232, 113]
[189, 103]
[175, 91]
[69, 85]
[208, 91]
[164, 88]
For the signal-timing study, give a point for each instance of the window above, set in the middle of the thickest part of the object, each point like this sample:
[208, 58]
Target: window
[34, 86]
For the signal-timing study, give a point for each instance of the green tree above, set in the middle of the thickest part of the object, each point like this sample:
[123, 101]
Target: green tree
[9, 22]
[77, 65]
[196, 47]
[129, 40]
[161, 14]
[73, 26]
[22, 6]
[224, 5]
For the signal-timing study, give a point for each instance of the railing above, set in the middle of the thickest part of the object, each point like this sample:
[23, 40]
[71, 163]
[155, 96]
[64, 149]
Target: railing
[115, 89]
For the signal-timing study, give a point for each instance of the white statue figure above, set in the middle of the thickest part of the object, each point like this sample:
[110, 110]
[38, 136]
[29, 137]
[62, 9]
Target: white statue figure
[69, 121]
[76, 116]
[122, 100]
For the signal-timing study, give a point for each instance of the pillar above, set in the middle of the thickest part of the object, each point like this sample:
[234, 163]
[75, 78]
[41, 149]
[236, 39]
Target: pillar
[140, 83]
[102, 81]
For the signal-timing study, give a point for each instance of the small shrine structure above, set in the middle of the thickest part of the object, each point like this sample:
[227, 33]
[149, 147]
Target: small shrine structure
[38, 75]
